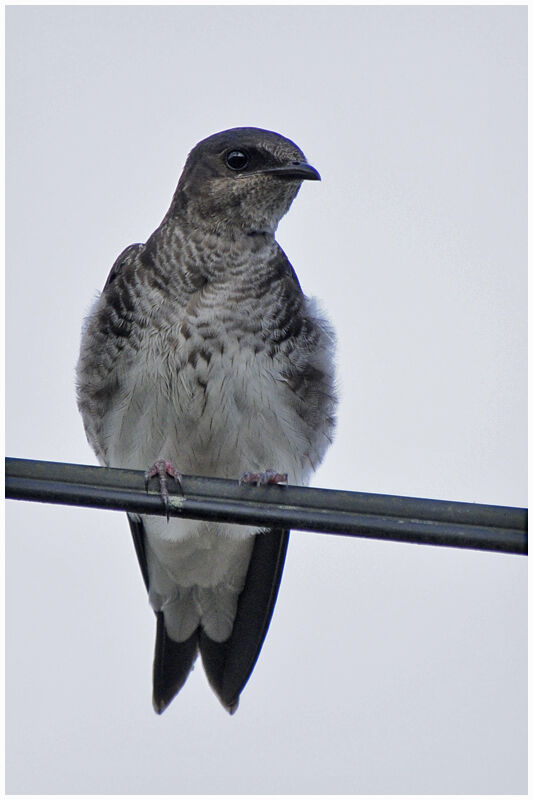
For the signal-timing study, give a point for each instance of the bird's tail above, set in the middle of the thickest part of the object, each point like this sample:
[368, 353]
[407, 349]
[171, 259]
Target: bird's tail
[228, 664]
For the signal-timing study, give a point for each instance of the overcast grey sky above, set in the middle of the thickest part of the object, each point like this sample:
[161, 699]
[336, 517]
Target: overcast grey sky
[388, 668]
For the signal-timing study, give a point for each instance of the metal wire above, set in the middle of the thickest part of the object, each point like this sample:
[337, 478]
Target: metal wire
[374, 516]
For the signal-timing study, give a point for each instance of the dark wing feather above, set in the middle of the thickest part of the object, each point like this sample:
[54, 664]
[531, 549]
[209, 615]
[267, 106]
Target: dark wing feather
[229, 664]
[137, 531]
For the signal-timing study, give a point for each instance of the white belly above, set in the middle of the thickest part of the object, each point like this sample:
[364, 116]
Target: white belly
[218, 419]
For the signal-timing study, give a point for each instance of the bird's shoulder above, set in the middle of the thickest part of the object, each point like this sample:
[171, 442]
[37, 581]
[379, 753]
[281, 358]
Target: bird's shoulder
[282, 269]
[128, 256]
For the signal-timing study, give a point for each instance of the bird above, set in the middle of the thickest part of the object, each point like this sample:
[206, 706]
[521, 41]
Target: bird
[203, 356]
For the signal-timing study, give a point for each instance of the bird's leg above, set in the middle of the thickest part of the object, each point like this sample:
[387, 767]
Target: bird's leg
[262, 478]
[162, 468]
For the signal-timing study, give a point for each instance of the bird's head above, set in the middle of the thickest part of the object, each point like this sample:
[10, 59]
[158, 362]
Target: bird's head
[242, 180]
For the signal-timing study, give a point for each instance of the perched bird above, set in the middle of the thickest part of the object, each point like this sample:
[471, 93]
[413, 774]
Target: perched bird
[203, 356]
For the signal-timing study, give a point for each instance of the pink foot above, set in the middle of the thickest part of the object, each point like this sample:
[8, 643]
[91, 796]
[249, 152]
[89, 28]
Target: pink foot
[262, 478]
[162, 468]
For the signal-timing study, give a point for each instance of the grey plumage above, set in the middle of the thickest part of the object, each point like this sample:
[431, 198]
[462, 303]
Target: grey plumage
[202, 350]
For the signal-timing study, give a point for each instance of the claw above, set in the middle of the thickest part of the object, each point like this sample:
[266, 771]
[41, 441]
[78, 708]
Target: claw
[263, 478]
[162, 468]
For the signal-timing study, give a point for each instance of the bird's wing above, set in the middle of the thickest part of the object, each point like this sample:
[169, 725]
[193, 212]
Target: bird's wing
[229, 664]
[128, 255]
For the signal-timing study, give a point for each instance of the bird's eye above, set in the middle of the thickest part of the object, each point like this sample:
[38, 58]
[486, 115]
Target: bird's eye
[237, 159]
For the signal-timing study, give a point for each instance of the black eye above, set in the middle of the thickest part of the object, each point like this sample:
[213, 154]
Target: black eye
[237, 159]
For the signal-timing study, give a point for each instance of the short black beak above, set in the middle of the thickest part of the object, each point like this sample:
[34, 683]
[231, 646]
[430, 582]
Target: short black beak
[299, 170]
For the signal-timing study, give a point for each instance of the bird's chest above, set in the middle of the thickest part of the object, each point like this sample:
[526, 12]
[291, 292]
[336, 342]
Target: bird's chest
[221, 379]
[207, 392]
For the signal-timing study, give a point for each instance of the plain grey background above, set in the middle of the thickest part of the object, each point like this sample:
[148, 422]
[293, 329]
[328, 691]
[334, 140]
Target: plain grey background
[388, 668]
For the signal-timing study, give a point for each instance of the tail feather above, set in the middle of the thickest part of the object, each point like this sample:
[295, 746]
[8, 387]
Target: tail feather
[228, 665]
[172, 663]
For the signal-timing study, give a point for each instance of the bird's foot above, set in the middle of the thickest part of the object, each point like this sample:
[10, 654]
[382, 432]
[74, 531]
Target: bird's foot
[162, 469]
[262, 478]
